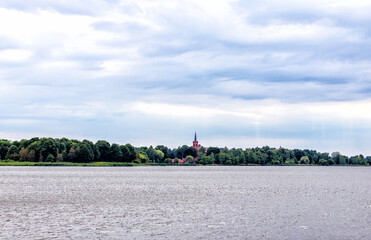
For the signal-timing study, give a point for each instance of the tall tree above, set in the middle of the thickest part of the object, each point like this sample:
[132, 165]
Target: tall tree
[115, 153]
[103, 148]
[71, 156]
[132, 152]
[211, 150]
[190, 151]
[12, 153]
[84, 153]
[23, 153]
[125, 153]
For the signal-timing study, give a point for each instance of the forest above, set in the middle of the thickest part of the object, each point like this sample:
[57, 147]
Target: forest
[69, 150]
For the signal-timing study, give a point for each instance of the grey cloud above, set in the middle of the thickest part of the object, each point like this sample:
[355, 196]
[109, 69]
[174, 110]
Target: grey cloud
[185, 56]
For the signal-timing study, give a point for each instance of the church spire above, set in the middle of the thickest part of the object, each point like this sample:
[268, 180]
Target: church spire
[195, 142]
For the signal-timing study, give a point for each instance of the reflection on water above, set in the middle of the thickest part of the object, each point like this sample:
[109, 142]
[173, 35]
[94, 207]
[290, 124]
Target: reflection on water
[185, 202]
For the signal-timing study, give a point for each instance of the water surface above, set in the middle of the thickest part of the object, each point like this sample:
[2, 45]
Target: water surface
[185, 202]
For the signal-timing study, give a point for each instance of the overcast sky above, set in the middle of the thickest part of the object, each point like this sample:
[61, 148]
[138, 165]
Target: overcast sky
[295, 74]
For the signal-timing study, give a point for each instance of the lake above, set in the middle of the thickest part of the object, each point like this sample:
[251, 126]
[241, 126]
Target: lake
[185, 202]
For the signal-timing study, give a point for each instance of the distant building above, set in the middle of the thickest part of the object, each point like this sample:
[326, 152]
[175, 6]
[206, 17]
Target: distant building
[195, 146]
[195, 142]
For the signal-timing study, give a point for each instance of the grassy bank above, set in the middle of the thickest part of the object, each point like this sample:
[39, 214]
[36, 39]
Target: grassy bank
[92, 164]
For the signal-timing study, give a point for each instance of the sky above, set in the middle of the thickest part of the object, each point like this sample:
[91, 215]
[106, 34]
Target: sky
[295, 74]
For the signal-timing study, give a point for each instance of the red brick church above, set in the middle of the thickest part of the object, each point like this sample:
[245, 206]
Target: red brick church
[195, 142]
[195, 146]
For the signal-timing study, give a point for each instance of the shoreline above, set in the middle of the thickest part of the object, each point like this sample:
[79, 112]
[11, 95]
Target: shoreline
[125, 164]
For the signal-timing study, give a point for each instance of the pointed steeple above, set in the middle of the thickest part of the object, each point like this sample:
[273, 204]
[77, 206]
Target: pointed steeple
[195, 142]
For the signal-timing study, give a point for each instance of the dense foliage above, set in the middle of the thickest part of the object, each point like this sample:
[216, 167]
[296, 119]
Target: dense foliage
[69, 150]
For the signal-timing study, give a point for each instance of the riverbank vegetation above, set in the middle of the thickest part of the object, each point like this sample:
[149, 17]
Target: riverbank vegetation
[70, 152]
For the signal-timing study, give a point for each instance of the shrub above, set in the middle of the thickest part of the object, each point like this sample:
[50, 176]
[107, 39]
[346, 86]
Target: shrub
[50, 158]
[361, 161]
[189, 159]
[276, 162]
[323, 162]
[290, 161]
[304, 160]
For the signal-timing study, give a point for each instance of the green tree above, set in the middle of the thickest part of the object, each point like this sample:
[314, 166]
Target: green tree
[342, 160]
[353, 160]
[201, 149]
[4, 147]
[203, 159]
[159, 156]
[115, 154]
[84, 153]
[298, 153]
[165, 150]
[304, 160]
[104, 149]
[180, 151]
[262, 158]
[323, 162]
[189, 159]
[331, 161]
[251, 157]
[211, 159]
[190, 151]
[125, 153]
[211, 150]
[50, 158]
[241, 157]
[71, 156]
[12, 153]
[94, 149]
[132, 152]
[361, 160]
[143, 157]
[324, 156]
[290, 161]
[335, 156]
[276, 161]
[46, 146]
[224, 158]
[151, 153]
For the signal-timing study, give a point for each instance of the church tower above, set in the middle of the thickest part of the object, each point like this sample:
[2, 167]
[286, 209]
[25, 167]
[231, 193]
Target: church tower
[195, 142]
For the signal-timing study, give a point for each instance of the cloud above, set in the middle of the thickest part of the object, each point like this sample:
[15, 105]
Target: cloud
[82, 7]
[14, 55]
[149, 72]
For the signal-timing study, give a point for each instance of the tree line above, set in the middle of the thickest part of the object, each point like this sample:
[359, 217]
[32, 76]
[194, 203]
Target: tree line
[70, 150]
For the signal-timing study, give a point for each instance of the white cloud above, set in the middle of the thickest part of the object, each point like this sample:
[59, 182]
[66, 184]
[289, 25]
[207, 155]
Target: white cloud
[14, 55]
[187, 111]
[269, 111]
